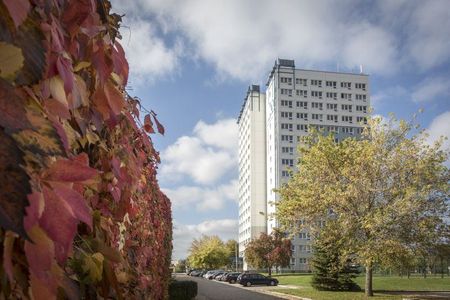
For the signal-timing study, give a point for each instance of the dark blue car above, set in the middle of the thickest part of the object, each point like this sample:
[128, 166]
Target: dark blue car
[249, 279]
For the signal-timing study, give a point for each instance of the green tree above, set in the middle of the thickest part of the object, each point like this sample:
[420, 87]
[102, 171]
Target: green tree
[208, 252]
[387, 191]
[232, 248]
[269, 251]
[332, 269]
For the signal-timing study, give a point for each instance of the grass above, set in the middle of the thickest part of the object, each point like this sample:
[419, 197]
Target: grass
[380, 284]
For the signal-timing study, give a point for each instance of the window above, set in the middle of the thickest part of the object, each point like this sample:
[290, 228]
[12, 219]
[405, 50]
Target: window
[333, 129]
[361, 97]
[302, 260]
[288, 150]
[287, 103]
[285, 173]
[302, 127]
[347, 85]
[332, 118]
[287, 162]
[331, 84]
[302, 104]
[293, 261]
[316, 94]
[348, 130]
[303, 93]
[332, 95]
[361, 119]
[346, 107]
[317, 117]
[316, 82]
[286, 92]
[287, 80]
[286, 126]
[317, 105]
[332, 106]
[361, 86]
[285, 114]
[347, 119]
[304, 236]
[287, 138]
[362, 108]
[346, 96]
[303, 116]
[301, 81]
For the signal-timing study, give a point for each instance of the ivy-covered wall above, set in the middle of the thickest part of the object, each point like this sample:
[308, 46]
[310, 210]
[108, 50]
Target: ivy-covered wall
[81, 212]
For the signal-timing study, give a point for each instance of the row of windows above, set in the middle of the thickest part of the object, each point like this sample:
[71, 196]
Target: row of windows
[332, 129]
[319, 105]
[328, 83]
[314, 116]
[301, 260]
[319, 94]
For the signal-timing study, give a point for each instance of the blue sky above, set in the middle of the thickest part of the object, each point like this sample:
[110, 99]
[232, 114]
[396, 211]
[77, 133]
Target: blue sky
[192, 61]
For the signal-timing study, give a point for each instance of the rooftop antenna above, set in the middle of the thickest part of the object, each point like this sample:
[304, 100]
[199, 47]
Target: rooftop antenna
[360, 69]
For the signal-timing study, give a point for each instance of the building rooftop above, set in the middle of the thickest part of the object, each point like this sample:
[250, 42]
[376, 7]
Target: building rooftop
[290, 63]
[252, 88]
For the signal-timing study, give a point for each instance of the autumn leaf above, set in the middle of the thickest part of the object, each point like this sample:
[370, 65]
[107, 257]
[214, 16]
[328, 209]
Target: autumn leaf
[57, 91]
[158, 124]
[93, 266]
[11, 61]
[40, 253]
[115, 98]
[148, 125]
[59, 223]
[18, 10]
[14, 185]
[8, 245]
[12, 108]
[76, 202]
[69, 170]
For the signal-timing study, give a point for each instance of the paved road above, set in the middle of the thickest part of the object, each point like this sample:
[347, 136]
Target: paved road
[213, 290]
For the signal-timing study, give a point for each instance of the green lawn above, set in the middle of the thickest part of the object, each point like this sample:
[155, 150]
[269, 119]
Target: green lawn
[388, 283]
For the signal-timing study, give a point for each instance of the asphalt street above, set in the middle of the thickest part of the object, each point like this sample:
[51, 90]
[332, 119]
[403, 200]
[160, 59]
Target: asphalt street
[213, 290]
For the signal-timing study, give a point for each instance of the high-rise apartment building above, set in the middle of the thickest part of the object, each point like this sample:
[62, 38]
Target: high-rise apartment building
[252, 168]
[296, 100]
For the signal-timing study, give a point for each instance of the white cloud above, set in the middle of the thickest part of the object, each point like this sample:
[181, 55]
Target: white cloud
[242, 39]
[202, 198]
[440, 126]
[206, 156]
[184, 234]
[432, 88]
[147, 53]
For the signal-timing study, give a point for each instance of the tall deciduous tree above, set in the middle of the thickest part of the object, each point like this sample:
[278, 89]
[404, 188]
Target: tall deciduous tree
[208, 252]
[387, 191]
[269, 251]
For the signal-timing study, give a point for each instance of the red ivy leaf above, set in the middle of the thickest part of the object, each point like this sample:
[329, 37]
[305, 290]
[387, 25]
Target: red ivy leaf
[102, 62]
[69, 170]
[158, 124]
[115, 98]
[12, 107]
[76, 202]
[18, 10]
[120, 63]
[57, 220]
[39, 253]
[148, 125]
[65, 70]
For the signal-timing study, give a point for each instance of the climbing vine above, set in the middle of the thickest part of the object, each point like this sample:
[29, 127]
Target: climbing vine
[81, 212]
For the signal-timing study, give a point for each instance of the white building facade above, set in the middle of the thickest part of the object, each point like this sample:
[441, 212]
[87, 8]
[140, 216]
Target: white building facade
[297, 99]
[252, 168]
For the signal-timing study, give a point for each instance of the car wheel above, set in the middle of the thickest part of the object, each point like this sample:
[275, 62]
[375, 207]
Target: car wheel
[232, 281]
[249, 283]
[272, 283]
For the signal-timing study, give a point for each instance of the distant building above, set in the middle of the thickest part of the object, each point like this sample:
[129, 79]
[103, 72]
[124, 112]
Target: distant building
[295, 100]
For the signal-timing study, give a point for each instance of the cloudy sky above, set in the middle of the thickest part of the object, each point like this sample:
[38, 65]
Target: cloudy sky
[191, 61]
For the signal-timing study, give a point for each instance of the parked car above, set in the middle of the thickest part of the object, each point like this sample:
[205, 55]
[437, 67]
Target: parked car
[209, 275]
[224, 275]
[232, 277]
[216, 275]
[195, 273]
[250, 279]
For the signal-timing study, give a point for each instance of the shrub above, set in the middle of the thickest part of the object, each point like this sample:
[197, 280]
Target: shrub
[182, 290]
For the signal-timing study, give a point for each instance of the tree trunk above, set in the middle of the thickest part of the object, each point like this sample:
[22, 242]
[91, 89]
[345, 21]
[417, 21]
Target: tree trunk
[442, 267]
[368, 288]
[270, 271]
